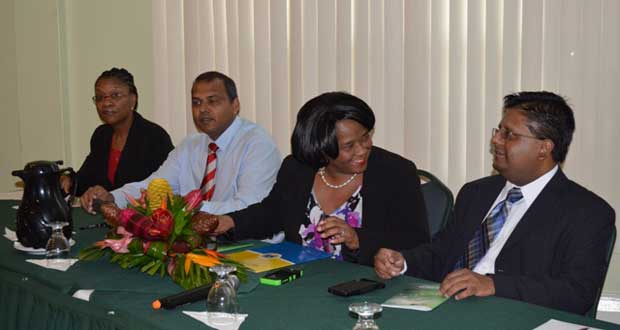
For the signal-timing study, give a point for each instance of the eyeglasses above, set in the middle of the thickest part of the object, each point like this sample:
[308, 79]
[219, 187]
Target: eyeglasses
[510, 135]
[114, 97]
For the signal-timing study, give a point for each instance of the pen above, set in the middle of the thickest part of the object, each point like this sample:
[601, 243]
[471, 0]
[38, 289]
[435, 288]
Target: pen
[94, 226]
[233, 247]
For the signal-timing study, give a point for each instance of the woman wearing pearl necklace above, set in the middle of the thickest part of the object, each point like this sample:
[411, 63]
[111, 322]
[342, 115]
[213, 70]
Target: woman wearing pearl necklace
[337, 192]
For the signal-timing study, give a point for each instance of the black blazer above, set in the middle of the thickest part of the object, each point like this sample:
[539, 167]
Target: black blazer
[146, 149]
[555, 257]
[393, 211]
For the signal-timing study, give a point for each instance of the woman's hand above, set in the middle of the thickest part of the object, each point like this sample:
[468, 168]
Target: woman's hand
[65, 183]
[94, 192]
[339, 232]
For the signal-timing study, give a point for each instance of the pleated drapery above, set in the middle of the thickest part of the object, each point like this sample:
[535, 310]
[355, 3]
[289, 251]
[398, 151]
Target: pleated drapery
[434, 71]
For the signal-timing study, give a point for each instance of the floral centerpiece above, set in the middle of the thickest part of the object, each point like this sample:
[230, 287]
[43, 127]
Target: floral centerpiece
[161, 233]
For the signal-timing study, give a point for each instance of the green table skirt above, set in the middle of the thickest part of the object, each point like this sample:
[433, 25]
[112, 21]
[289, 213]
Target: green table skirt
[32, 297]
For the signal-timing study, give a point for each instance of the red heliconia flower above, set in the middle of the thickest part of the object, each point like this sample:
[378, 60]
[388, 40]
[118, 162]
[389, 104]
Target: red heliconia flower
[193, 199]
[162, 223]
[181, 246]
[126, 214]
[139, 225]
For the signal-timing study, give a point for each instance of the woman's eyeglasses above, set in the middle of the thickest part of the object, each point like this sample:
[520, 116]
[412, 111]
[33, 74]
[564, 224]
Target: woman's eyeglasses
[114, 97]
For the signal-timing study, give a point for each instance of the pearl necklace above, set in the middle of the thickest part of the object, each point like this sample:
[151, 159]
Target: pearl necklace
[334, 186]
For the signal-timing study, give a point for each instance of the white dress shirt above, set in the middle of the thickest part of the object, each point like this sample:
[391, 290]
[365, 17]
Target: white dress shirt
[247, 164]
[530, 191]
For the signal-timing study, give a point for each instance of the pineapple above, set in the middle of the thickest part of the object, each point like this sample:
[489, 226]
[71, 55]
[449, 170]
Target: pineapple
[157, 191]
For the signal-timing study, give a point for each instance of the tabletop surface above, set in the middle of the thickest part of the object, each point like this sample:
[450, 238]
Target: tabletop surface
[122, 298]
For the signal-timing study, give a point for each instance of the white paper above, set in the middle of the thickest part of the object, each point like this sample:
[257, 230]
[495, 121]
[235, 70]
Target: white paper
[560, 325]
[83, 294]
[11, 235]
[203, 317]
[56, 264]
[12, 195]
[33, 251]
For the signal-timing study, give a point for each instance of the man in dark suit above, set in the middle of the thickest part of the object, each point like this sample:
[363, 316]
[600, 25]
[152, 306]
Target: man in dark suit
[529, 233]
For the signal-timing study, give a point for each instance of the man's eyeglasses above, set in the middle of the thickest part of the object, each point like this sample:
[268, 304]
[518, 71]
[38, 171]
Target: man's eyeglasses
[510, 135]
[113, 97]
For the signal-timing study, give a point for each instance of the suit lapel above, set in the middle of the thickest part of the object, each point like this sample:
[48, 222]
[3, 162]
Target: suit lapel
[543, 208]
[301, 187]
[476, 204]
[106, 143]
[371, 181]
[480, 208]
[128, 154]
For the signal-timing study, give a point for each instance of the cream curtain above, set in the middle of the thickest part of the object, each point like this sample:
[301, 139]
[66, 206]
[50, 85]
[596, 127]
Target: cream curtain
[434, 71]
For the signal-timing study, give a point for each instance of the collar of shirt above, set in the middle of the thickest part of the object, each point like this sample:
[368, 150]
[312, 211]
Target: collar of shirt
[531, 190]
[228, 135]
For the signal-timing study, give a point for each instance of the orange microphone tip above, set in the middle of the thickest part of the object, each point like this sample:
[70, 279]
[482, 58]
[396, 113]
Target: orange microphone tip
[156, 304]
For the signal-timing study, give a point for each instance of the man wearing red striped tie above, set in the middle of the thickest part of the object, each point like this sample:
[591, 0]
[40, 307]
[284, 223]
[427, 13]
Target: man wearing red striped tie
[233, 161]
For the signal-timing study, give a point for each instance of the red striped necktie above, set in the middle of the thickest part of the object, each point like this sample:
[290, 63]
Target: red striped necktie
[208, 183]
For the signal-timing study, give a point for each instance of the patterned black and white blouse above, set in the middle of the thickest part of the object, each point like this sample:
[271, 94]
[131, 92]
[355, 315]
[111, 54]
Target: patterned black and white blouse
[350, 212]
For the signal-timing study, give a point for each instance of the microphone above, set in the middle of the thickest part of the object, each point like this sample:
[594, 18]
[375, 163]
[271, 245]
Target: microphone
[97, 204]
[182, 298]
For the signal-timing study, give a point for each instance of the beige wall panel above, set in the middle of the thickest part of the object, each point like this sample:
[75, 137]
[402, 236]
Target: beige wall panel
[10, 157]
[38, 80]
[101, 35]
[38, 88]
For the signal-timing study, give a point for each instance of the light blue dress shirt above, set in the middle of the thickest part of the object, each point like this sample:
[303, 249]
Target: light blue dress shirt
[247, 164]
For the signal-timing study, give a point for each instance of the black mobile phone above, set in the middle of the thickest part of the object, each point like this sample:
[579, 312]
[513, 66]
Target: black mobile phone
[352, 288]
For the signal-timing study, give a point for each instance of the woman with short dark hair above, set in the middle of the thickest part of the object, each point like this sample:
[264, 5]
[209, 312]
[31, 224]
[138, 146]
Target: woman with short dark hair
[127, 147]
[336, 192]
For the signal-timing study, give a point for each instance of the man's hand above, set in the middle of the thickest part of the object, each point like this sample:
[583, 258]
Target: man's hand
[471, 284]
[388, 263]
[94, 192]
[65, 183]
[225, 223]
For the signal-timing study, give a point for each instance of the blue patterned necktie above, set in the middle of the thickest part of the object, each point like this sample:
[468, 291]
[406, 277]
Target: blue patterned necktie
[489, 229]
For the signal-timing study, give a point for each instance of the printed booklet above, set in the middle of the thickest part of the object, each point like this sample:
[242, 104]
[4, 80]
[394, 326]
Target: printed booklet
[274, 256]
[421, 296]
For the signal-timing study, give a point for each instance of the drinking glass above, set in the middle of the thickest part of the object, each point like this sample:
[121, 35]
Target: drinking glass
[366, 312]
[57, 246]
[222, 304]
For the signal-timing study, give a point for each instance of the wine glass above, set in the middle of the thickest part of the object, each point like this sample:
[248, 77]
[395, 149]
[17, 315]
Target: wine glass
[211, 243]
[366, 312]
[222, 304]
[57, 246]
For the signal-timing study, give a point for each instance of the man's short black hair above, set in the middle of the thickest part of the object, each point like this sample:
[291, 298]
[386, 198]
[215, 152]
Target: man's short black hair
[229, 84]
[549, 117]
[314, 139]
